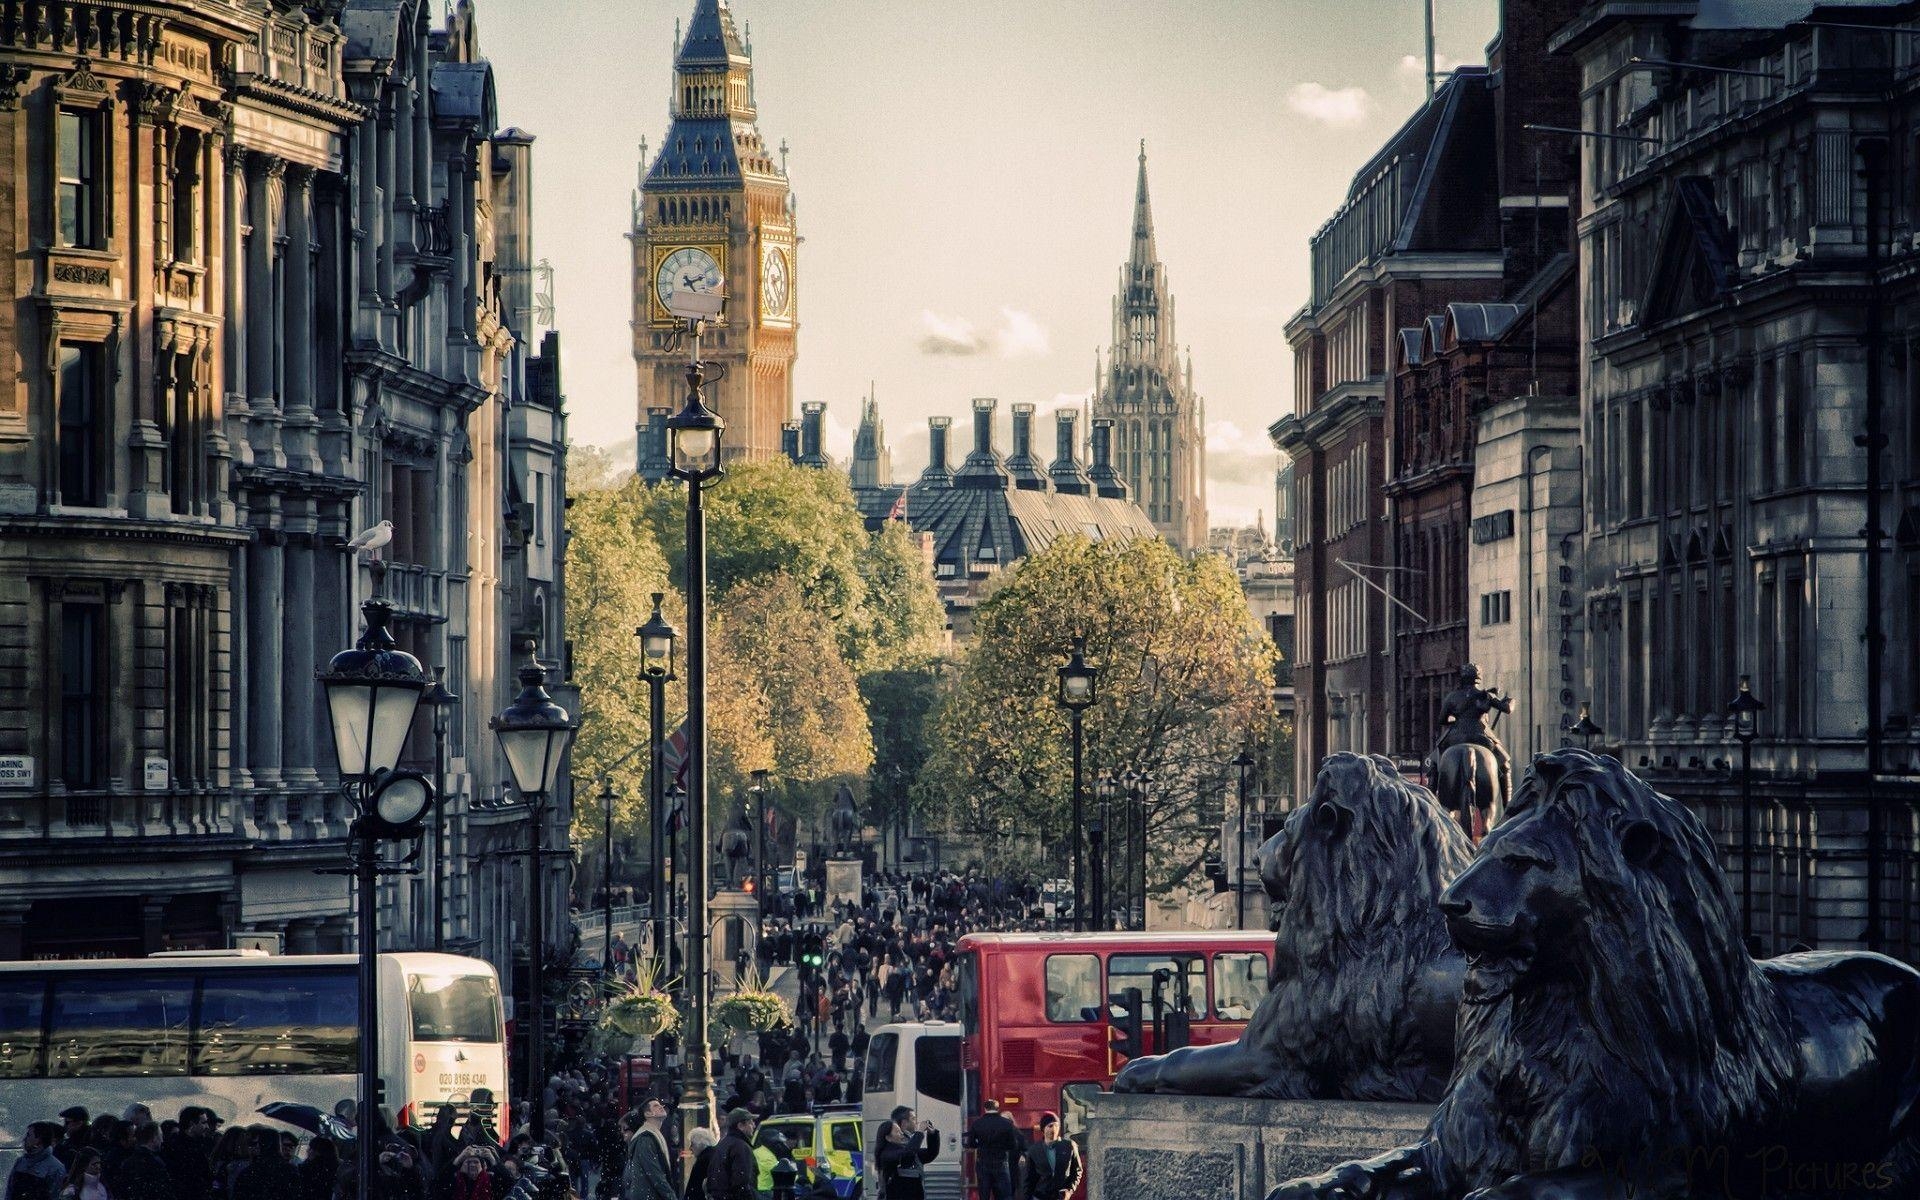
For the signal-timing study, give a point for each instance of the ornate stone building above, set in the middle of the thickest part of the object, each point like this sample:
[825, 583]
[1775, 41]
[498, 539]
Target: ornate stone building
[1159, 424]
[713, 213]
[1750, 410]
[254, 304]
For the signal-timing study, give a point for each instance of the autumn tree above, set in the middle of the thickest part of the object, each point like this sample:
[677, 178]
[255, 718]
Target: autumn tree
[1185, 678]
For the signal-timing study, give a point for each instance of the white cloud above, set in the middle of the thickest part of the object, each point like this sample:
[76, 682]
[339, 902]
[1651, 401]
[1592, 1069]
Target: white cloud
[1413, 68]
[1239, 456]
[1020, 335]
[1338, 107]
[949, 336]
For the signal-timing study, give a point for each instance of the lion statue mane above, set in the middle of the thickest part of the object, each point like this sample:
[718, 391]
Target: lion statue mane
[1617, 1040]
[1364, 984]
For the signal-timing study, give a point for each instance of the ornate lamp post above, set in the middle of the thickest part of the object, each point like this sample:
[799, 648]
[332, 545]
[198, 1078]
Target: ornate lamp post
[372, 692]
[1078, 682]
[534, 734]
[1103, 789]
[444, 702]
[1585, 729]
[1244, 764]
[693, 436]
[656, 667]
[606, 880]
[1745, 708]
[1133, 783]
[758, 791]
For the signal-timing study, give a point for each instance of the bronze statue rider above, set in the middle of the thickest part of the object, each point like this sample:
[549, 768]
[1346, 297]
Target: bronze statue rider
[1466, 720]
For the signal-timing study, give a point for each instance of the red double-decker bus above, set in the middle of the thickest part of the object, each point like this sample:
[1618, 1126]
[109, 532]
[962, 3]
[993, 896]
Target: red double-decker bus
[1034, 1010]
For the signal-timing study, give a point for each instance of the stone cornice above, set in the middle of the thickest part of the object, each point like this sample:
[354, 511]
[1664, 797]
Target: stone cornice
[117, 528]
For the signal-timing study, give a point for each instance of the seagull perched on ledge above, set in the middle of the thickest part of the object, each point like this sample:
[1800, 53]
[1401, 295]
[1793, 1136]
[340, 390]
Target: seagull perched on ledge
[372, 539]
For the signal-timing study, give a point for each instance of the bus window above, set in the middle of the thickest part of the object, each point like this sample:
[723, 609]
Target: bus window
[1136, 970]
[1073, 987]
[453, 1008]
[120, 1024]
[936, 1067]
[1239, 984]
[881, 1052]
[22, 1000]
[277, 1023]
[967, 992]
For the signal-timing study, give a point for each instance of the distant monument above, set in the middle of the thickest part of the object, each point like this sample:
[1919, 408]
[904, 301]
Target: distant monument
[1471, 771]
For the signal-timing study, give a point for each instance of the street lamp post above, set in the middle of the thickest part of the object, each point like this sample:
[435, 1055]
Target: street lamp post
[534, 733]
[1585, 729]
[1130, 782]
[1078, 682]
[443, 702]
[1244, 764]
[606, 879]
[372, 692]
[1746, 708]
[656, 667]
[1103, 789]
[758, 790]
[675, 801]
[694, 435]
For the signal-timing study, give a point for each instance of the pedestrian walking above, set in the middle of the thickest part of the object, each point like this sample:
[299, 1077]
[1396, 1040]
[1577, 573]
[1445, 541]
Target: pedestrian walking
[903, 1153]
[996, 1144]
[648, 1175]
[1051, 1168]
[733, 1174]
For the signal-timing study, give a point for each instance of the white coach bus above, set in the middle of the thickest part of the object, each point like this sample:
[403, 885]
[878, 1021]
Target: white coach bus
[236, 1031]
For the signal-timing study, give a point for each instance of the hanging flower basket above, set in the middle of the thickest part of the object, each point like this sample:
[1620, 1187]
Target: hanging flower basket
[641, 1009]
[752, 1008]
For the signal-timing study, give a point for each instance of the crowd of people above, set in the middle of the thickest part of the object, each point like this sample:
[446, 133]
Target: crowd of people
[891, 953]
[192, 1157]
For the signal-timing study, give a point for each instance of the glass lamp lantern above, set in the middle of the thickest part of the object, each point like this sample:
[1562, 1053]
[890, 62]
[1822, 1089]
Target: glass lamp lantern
[656, 643]
[1078, 680]
[372, 692]
[693, 441]
[534, 733]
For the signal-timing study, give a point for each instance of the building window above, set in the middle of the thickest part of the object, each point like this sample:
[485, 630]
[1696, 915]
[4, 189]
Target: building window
[456, 682]
[83, 423]
[1793, 654]
[185, 198]
[82, 694]
[80, 183]
[1496, 608]
[1793, 430]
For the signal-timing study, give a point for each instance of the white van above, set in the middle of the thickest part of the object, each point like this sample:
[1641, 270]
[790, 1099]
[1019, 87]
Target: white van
[916, 1063]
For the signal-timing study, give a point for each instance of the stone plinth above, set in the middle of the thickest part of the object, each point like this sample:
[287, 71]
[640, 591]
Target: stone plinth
[1223, 1148]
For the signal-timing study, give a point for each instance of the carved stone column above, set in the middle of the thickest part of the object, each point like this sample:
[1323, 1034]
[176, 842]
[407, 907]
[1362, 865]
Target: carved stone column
[266, 621]
[302, 425]
[233, 267]
[263, 188]
[297, 685]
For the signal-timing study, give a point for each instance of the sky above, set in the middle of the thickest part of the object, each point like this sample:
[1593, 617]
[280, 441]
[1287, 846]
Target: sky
[964, 174]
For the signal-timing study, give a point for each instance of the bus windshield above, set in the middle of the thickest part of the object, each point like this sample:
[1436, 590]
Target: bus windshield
[453, 1008]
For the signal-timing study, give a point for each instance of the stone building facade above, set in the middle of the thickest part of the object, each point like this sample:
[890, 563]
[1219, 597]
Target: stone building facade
[1750, 412]
[1159, 422]
[1412, 235]
[714, 199]
[254, 305]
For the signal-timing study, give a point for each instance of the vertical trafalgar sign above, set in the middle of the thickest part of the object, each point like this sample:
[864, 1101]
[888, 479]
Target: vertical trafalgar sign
[843, 881]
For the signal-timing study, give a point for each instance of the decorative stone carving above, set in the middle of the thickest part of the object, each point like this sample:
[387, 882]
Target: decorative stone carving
[1364, 985]
[1617, 1040]
[82, 78]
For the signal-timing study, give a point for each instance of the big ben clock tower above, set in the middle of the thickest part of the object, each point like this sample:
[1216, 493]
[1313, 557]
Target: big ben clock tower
[714, 208]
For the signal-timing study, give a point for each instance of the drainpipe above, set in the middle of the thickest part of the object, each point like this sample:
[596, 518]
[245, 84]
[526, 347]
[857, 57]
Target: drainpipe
[1873, 157]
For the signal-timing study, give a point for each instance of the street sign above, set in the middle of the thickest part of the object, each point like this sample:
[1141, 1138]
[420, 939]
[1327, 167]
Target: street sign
[16, 771]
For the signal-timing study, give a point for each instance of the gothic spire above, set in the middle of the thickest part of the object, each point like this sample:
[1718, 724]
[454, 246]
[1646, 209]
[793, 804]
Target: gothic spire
[711, 38]
[1144, 253]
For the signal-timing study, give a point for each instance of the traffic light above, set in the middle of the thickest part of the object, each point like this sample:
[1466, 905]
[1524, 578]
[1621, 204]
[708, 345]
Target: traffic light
[812, 951]
[1125, 1029]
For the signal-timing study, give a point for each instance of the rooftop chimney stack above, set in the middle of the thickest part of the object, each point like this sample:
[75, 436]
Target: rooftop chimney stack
[790, 441]
[938, 474]
[1068, 477]
[653, 463]
[1106, 480]
[983, 468]
[1021, 464]
[812, 418]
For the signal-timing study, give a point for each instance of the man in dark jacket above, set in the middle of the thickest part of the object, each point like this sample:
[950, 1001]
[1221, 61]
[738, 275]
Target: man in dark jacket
[1052, 1167]
[734, 1174]
[996, 1144]
[37, 1173]
[142, 1176]
[188, 1154]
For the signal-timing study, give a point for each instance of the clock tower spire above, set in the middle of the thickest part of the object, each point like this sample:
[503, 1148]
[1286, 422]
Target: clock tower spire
[715, 211]
[1158, 444]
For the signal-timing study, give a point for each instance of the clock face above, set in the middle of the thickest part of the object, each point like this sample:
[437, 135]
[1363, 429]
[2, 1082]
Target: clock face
[774, 285]
[688, 269]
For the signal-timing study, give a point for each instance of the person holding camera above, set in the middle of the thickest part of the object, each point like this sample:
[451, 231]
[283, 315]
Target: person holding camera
[905, 1148]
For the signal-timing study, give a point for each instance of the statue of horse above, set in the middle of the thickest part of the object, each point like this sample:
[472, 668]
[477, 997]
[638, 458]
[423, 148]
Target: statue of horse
[1466, 781]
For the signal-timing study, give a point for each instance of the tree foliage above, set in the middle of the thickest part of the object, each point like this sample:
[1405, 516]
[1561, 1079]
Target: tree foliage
[1184, 686]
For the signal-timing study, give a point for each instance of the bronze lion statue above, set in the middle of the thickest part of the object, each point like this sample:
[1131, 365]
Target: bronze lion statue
[1364, 985]
[1617, 1041]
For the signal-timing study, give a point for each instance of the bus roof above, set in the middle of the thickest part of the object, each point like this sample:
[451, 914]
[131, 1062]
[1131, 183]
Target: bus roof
[1120, 941]
[424, 961]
